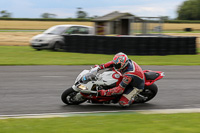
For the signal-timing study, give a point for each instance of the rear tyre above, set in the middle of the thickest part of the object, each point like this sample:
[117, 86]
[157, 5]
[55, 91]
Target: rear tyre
[147, 94]
[69, 97]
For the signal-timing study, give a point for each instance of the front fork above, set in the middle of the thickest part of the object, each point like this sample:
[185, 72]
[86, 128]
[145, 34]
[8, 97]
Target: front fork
[75, 88]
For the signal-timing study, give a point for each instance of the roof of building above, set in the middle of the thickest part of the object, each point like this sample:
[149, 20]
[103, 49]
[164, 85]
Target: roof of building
[112, 16]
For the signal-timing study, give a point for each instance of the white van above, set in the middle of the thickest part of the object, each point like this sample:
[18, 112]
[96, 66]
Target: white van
[52, 38]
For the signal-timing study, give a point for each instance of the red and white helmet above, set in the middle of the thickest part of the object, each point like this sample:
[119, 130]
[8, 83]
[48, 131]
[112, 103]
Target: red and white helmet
[120, 61]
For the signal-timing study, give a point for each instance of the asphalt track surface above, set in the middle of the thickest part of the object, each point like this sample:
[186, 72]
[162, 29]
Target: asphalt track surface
[37, 89]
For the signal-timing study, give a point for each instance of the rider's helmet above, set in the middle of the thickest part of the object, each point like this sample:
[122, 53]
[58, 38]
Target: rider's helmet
[120, 61]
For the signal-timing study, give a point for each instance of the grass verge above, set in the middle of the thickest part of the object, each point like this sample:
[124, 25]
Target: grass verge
[25, 55]
[124, 123]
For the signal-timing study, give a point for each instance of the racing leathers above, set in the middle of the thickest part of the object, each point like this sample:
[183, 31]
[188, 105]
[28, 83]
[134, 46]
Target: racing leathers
[132, 82]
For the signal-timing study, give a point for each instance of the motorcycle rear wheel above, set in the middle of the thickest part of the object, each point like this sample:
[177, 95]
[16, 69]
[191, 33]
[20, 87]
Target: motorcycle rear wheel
[68, 97]
[147, 94]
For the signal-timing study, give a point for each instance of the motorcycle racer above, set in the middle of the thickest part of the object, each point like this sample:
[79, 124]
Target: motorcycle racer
[132, 82]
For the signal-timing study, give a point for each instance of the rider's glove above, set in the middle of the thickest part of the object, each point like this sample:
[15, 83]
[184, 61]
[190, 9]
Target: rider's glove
[95, 66]
[99, 68]
[103, 92]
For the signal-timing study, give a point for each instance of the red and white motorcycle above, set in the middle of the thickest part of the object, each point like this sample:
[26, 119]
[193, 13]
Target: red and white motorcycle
[90, 81]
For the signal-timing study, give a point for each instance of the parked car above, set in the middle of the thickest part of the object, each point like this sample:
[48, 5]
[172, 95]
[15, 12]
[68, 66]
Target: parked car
[53, 38]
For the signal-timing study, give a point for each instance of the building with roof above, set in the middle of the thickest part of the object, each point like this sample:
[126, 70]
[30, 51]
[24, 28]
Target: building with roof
[113, 23]
[116, 23]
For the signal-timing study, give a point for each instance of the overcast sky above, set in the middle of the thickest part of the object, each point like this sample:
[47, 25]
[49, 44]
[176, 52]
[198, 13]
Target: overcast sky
[68, 8]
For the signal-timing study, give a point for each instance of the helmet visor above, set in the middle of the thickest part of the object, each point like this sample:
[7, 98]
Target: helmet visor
[117, 66]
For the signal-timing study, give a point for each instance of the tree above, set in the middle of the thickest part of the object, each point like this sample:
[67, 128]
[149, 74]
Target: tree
[48, 15]
[165, 18]
[81, 14]
[5, 14]
[95, 16]
[189, 10]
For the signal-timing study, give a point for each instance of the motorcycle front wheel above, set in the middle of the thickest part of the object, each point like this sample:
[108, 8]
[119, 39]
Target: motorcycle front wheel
[69, 97]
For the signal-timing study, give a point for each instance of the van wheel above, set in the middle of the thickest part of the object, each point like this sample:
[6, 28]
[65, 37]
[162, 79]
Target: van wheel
[57, 46]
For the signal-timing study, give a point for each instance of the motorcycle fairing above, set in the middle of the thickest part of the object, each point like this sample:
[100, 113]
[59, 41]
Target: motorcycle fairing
[98, 98]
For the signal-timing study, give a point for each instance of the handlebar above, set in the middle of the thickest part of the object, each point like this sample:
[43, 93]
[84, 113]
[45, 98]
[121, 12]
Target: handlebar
[94, 70]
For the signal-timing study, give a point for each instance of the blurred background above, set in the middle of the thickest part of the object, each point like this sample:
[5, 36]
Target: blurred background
[32, 82]
[18, 24]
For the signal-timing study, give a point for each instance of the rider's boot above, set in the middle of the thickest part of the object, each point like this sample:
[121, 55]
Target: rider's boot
[128, 99]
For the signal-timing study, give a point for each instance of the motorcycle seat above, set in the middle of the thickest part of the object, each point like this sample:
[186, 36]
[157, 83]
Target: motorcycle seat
[151, 75]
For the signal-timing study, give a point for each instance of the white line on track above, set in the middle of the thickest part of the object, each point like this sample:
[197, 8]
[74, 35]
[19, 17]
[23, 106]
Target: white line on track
[102, 113]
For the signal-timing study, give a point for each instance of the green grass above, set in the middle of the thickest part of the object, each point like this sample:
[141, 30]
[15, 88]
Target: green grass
[25, 55]
[124, 123]
[198, 50]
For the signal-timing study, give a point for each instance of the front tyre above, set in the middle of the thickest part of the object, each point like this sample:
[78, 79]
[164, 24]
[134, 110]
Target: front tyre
[57, 46]
[69, 97]
[147, 94]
